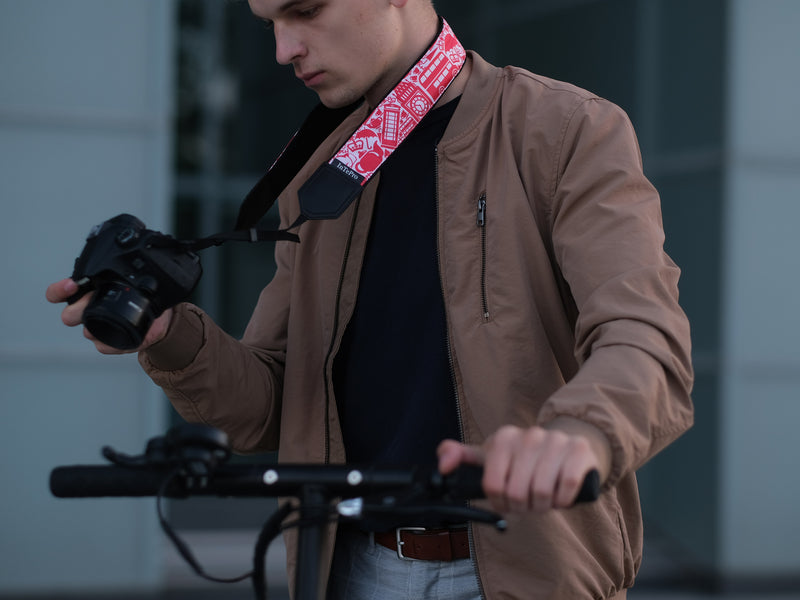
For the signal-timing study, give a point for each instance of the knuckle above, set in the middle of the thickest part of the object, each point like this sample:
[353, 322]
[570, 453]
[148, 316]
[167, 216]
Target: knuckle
[533, 436]
[559, 439]
[541, 493]
[571, 481]
[506, 433]
[533, 439]
[492, 487]
[580, 444]
[517, 494]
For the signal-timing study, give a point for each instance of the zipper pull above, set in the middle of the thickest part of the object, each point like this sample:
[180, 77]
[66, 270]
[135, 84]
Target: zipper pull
[482, 210]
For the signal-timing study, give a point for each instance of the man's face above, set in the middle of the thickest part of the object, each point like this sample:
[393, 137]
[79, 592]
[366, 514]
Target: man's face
[341, 49]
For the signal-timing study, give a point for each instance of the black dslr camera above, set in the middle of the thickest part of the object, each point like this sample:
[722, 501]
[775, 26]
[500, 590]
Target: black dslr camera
[137, 274]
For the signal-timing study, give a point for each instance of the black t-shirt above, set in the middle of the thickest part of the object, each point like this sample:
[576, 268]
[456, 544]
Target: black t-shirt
[392, 375]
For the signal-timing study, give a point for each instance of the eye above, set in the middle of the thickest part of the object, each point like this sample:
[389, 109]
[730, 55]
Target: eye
[310, 12]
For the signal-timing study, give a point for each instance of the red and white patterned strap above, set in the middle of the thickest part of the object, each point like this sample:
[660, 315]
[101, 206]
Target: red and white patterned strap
[404, 107]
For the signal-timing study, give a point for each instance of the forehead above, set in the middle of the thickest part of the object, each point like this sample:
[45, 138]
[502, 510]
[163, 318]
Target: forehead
[267, 9]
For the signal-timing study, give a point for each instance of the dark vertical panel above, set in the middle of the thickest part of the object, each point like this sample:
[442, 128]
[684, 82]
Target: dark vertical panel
[679, 486]
[691, 207]
[272, 102]
[690, 70]
[589, 44]
[680, 499]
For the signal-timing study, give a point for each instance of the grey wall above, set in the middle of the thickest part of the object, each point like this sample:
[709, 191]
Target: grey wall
[760, 383]
[85, 92]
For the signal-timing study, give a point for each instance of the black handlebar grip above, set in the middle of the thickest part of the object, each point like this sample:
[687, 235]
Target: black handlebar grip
[465, 482]
[95, 481]
[590, 489]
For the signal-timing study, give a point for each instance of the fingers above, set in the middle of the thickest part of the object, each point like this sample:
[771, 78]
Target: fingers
[530, 469]
[61, 290]
[101, 347]
[72, 316]
[573, 473]
[497, 470]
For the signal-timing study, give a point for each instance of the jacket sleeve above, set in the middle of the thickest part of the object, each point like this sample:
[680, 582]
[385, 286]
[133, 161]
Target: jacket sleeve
[632, 339]
[234, 385]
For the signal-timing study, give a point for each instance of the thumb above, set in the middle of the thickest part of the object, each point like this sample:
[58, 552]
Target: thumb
[452, 454]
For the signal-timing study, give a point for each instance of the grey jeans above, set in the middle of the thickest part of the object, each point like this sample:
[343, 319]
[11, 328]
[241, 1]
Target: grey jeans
[364, 570]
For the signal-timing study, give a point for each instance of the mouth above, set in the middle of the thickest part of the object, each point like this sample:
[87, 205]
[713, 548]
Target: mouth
[312, 78]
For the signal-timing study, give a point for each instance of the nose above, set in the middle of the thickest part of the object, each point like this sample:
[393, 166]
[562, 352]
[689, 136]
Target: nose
[288, 46]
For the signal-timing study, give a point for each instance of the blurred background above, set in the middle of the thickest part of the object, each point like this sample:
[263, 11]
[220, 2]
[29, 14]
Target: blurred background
[172, 109]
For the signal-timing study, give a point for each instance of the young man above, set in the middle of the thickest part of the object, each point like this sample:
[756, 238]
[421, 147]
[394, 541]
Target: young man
[500, 281]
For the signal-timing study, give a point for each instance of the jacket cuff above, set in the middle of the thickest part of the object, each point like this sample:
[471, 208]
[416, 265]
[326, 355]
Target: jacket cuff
[179, 347]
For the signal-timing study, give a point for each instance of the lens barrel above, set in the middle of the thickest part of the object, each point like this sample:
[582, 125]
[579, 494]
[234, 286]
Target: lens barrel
[119, 315]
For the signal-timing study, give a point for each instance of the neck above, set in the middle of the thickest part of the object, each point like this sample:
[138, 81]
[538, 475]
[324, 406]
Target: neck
[421, 32]
[455, 89]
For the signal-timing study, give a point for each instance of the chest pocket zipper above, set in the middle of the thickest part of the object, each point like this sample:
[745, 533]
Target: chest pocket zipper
[481, 222]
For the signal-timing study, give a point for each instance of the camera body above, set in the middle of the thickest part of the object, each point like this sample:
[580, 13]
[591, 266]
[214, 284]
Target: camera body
[136, 274]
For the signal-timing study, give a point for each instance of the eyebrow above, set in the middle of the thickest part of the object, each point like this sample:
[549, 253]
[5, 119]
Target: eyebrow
[289, 5]
[283, 8]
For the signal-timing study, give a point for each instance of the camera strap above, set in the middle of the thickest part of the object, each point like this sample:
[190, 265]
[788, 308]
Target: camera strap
[319, 124]
[240, 235]
[336, 183]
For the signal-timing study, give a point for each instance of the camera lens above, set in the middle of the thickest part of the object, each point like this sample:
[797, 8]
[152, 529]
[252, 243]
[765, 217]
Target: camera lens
[118, 315]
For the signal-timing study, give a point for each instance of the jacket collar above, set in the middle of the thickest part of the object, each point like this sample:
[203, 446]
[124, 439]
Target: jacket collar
[482, 86]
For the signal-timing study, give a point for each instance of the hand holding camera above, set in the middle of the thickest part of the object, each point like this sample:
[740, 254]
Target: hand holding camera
[128, 277]
[72, 316]
[124, 283]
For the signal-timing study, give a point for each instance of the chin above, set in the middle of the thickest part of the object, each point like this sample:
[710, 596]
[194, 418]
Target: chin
[337, 103]
[339, 100]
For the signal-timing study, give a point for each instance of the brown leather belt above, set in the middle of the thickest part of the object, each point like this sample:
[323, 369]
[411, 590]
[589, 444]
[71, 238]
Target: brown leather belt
[418, 543]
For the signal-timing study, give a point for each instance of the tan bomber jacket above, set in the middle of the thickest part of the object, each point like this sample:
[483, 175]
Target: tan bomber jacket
[562, 305]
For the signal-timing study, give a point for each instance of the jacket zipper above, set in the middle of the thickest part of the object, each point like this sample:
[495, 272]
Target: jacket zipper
[335, 330]
[481, 222]
[450, 361]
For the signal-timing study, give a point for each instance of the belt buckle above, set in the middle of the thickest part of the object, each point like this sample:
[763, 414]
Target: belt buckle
[400, 542]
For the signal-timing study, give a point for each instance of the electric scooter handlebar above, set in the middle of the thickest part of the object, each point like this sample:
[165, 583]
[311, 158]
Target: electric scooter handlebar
[92, 481]
[190, 460]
